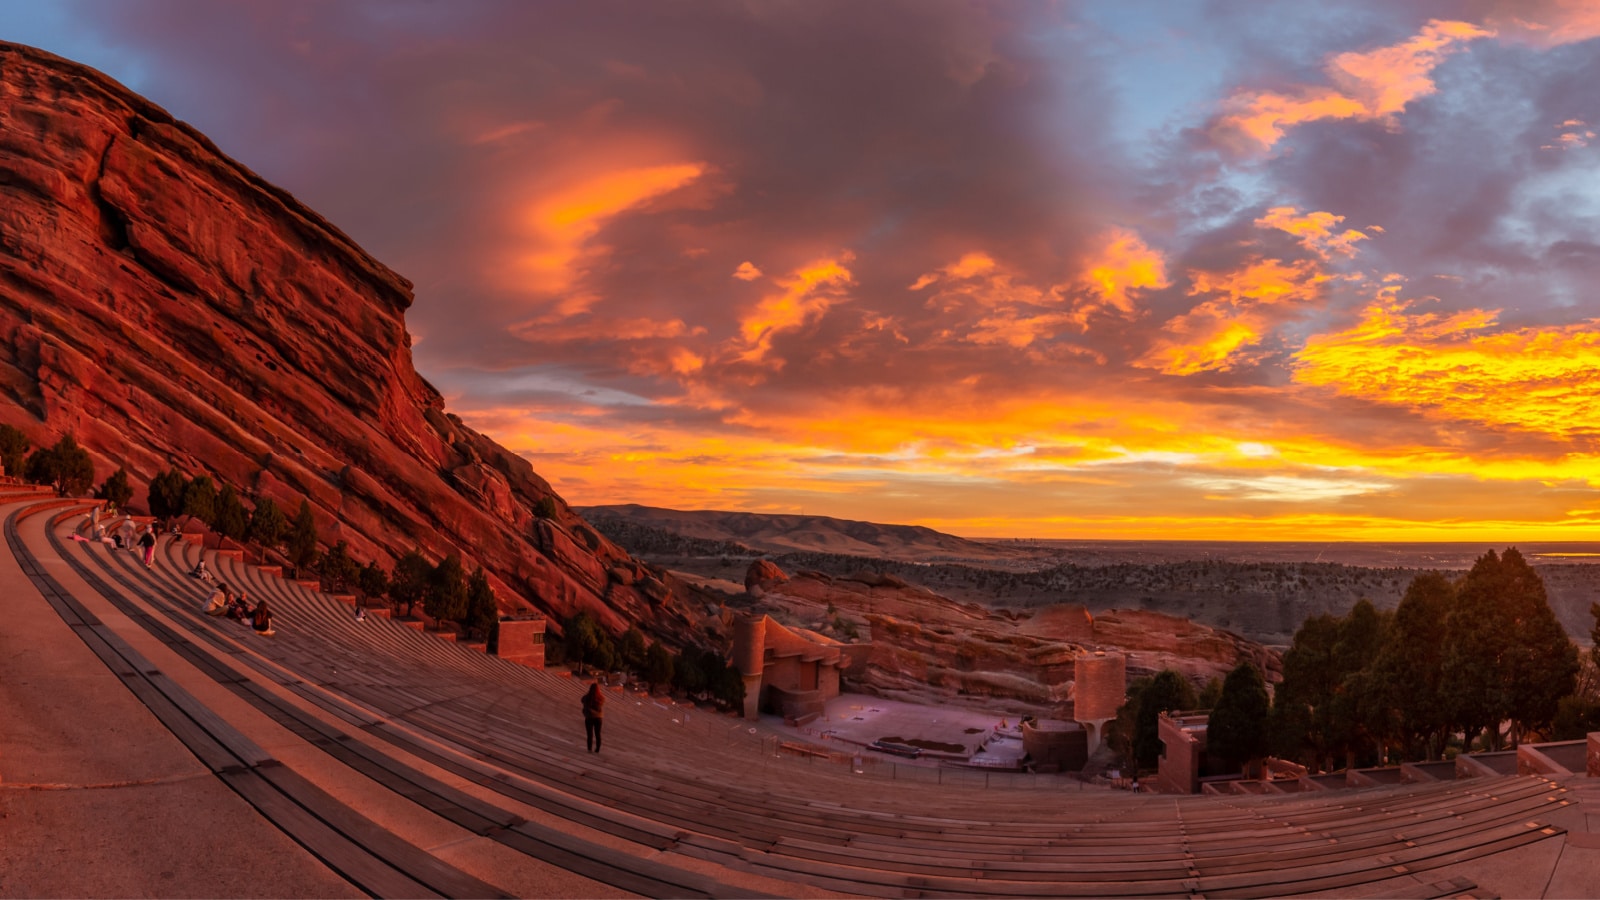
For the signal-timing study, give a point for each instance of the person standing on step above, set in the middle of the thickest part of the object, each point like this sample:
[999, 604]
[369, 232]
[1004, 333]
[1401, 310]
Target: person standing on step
[594, 703]
[147, 541]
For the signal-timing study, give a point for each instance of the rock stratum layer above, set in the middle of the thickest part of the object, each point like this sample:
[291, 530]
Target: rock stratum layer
[167, 306]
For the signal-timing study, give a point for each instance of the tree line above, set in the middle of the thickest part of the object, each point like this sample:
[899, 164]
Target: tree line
[1468, 663]
[696, 671]
[445, 590]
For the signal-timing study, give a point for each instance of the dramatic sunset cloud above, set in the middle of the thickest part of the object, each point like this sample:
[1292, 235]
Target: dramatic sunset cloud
[1464, 367]
[1371, 85]
[1087, 270]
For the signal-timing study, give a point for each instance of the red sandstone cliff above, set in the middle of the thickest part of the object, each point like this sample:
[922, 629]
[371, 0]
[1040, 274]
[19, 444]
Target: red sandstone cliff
[167, 306]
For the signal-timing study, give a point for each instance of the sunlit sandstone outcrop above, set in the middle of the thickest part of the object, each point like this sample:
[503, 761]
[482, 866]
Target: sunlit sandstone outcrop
[926, 646]
[167, 306]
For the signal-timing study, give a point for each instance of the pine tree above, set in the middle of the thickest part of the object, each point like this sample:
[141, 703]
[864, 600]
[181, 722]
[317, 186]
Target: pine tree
[339, 571]
[231, 521]
[374, 581]
[483, 612]
[267, 524]
[200, 499]
[166, 494]
[446, 600]
[1168, 691]
[13, 450]
[1410, 668]
[302, 538]
[1506, 656]
[115, 489]
[65, 467]
[1541, 663]
[408, 584]
[631, 649]
[1236, 732]
[657, 665]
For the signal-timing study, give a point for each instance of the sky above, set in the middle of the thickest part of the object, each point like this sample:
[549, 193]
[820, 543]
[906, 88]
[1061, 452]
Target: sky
[1135, 269]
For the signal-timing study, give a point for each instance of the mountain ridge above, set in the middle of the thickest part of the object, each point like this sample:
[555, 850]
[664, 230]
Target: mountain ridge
[788, 532]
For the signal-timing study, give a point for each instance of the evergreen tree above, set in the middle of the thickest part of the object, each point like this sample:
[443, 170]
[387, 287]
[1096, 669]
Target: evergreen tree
[1210, 694]
[1359, 719]
[687, 674]
[231, 521]
[631, 649]
[1410, 667]
[483, 612]
[1303, 725]
[1541, 663]
[267, 524]
[446, 600]
[1168, 691]
[374, 582]
[1506, 656]
[1236, 733]
[200, 499]
[409, 582]
[65, 467]
[13, 450]
[657, 665]
[586, 643]
[339, 570]
[166, 494]
[302, 538]
[116, 490]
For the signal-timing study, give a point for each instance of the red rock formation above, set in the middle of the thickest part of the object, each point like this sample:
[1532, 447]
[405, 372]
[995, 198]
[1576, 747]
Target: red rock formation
[928, 647]
[167, 306]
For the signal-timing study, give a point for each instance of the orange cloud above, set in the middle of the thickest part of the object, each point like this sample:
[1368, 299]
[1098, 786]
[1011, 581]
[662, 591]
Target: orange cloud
[747, 271]
[1317, 231]
[807, 295]
[1263, 282]
[968, 266]
[1211, 337]
[1119, 264]
[562, 223]
[1217, 334]
[1547, 23]
[1373, 86]
[600, 329]
[1458, 368]
[1575, 133]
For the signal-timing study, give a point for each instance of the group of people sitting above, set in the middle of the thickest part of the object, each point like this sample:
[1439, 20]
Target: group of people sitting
[224, 602]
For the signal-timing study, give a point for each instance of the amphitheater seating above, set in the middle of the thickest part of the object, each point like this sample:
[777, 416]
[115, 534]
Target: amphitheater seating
[685, 802]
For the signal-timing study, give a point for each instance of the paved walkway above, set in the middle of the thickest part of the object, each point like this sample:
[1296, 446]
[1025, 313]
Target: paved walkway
[97, 798]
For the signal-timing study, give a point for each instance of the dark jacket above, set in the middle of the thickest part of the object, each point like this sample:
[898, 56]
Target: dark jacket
[593, 705]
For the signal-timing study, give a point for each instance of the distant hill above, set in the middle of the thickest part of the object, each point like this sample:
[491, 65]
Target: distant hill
[807, 534]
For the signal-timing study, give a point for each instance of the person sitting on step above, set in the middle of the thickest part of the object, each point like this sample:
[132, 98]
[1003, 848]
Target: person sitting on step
[217, 603]
[261, 618]
[239, 607]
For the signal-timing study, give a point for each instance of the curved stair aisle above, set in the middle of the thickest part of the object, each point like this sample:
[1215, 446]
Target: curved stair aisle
[167, 604]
